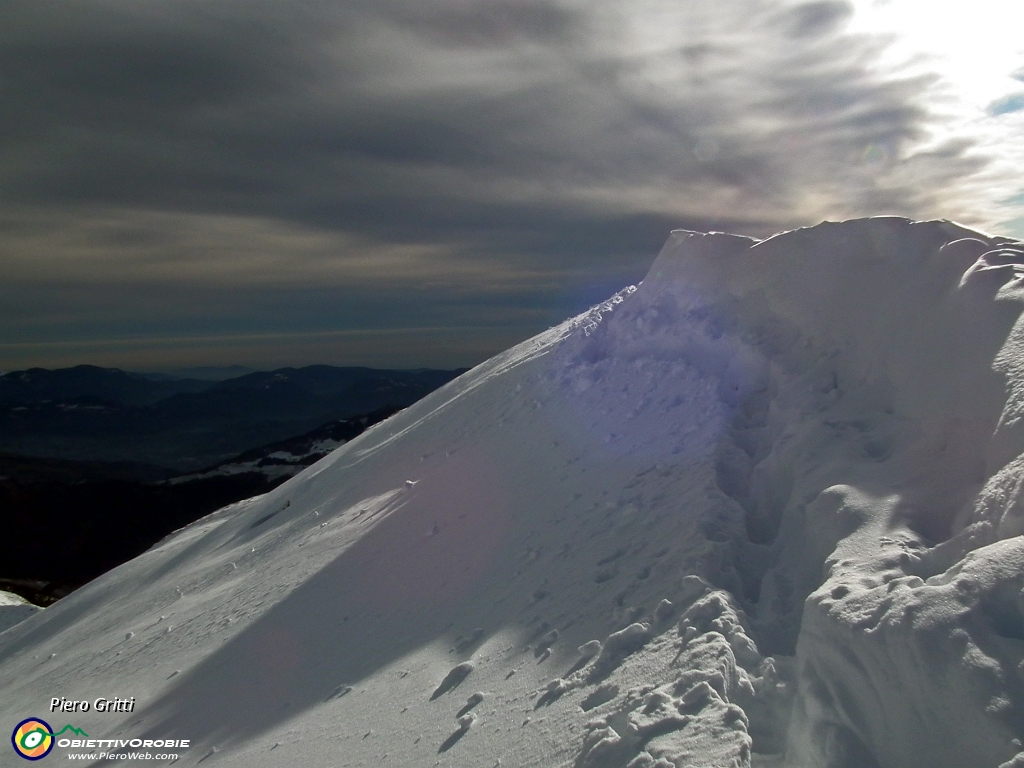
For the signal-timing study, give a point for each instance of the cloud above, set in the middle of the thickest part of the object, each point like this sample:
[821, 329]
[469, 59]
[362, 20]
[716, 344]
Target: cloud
[499, 147]
[480, 23]
[818, 18]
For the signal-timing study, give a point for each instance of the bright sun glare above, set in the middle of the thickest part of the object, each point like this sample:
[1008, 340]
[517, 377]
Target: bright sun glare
[976, 47]
[977, 53]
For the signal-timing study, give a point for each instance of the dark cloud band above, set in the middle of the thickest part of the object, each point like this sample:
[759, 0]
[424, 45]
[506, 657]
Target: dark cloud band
[549, 146]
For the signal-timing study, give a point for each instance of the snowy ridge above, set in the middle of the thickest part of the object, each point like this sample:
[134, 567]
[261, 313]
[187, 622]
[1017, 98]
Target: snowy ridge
[764, 509]
[14, 609]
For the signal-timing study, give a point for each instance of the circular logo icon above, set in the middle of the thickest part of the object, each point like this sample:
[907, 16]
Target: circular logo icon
[33, 738]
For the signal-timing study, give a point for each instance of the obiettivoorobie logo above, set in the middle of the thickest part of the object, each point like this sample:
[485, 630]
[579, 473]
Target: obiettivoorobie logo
[34, 738]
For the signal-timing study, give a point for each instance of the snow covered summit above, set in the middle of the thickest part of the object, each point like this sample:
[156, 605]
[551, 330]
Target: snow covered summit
[763, 510]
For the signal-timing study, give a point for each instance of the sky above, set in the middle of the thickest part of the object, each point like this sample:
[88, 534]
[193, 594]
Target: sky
[407, 183]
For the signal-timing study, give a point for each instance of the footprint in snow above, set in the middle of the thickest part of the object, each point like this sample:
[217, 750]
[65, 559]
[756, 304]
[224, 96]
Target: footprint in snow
[590, 649]
[471, 702]
[587, 652]
[543, 648]
[664, 610]
[464, 642]
[601, 695]
[617, 646]
[453, 679]
[552, 693]
[465, 723]
[338, 692]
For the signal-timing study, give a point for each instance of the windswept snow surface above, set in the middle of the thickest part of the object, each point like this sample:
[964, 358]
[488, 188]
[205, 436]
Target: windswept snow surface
[765, 509]
[14, 609]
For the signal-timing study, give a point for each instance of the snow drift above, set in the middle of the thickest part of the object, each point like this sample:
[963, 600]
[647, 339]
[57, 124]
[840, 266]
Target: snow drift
[764, 509]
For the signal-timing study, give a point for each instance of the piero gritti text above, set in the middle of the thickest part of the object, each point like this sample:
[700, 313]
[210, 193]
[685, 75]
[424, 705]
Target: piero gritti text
[117, 704]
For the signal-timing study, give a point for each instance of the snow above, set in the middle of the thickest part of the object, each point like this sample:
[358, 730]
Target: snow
[14, 609]
[764, 509]
[282, 464]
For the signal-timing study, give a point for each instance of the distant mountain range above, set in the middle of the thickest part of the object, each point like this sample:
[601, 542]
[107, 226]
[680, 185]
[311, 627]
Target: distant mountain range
[204, 373]
[87, 413]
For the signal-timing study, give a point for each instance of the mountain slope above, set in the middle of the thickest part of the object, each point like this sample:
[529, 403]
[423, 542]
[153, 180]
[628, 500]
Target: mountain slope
[109, 513]
[762, 510]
